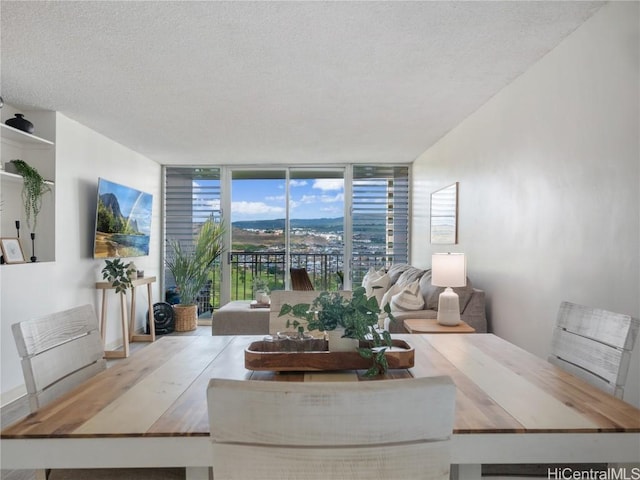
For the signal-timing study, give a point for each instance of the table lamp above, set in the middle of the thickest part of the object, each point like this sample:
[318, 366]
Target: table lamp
[448, 270]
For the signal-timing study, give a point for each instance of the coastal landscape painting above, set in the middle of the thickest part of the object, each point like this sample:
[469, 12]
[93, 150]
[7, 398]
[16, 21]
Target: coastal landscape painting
[123, 221]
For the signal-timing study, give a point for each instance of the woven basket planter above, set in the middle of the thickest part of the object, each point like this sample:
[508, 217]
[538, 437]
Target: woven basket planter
[186, 317]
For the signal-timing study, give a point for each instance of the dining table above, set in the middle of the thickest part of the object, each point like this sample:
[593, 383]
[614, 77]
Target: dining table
[150, 410]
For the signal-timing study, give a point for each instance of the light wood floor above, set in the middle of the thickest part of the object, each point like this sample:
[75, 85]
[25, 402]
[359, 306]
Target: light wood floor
[18, 409]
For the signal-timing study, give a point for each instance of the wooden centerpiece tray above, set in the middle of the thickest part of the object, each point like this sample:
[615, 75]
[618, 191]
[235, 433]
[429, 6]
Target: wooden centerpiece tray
[282, 356]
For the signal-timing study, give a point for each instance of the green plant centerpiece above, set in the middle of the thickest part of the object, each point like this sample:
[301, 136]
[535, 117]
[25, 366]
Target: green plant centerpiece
[191, 266]
[33, 188]
[119, 274]
[357, 315]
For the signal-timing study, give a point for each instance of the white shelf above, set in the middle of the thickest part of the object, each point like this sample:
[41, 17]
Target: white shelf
[19, 136]
[17, 177]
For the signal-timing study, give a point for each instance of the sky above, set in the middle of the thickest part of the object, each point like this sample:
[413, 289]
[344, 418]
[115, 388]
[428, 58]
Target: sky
[265, 199]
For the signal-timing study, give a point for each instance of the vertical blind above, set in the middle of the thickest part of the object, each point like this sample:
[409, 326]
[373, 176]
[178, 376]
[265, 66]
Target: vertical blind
[192, 195]
[380, 217]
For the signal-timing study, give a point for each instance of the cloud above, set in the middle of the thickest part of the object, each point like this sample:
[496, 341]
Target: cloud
[297, 183]
[253, 208]
[275, 198]
[329, 184]
[310, 199]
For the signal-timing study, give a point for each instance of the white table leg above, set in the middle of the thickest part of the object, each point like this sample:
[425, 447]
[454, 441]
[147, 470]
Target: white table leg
[466, 471]
[197, 473]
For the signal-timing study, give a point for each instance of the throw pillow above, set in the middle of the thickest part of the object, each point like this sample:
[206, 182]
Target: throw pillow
[408, 299]
[375, 278]
[393, 290]
[378, 287]
[410, 275]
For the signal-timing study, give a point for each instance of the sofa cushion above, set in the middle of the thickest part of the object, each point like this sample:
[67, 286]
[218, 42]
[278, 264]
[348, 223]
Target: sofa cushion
[409, 298]
[410, 275]
[376, 283]
[396, 270]
[431, 293]
[386, 298]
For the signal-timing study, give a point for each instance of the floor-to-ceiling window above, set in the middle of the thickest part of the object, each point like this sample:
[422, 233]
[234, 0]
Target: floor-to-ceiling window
[191, 196]
[380, 218]
[283, 217]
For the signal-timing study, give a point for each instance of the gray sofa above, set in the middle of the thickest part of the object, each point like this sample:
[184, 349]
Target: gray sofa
[472, 300]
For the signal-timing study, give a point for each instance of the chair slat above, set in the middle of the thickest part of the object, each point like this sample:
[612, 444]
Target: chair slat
[594, 344]
[600, 325]
[59, 351]
[40, 334]
[67, 359]
[424, 461]
[331, 429]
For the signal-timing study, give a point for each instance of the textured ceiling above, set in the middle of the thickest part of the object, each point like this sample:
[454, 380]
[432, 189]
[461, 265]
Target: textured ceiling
[273, 82]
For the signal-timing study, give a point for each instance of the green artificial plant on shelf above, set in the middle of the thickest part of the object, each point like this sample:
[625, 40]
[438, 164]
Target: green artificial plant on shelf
[33, 188]
[358, 316]
[119, 274]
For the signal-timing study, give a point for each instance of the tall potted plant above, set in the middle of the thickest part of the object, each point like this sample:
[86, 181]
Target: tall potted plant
[190, 266]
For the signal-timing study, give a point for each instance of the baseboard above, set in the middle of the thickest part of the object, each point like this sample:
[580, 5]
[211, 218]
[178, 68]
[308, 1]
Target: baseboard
[12, 395]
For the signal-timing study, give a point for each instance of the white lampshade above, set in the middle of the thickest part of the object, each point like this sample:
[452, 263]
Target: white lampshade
[448, 270]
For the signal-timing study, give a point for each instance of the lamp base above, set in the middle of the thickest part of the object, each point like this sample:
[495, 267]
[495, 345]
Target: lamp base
[448, 308]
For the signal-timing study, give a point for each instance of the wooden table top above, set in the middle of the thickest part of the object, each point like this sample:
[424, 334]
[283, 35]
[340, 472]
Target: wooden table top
[160, 391]
[431, 325]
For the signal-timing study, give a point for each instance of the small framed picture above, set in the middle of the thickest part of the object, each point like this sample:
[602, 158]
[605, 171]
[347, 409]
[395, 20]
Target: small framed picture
[12, 250]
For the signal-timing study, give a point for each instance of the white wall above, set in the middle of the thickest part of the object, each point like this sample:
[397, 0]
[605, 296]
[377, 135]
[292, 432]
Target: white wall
[30, 290]
[549, 185]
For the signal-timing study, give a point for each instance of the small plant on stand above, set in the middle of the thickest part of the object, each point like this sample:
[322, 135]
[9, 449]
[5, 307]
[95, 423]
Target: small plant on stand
[119, 274]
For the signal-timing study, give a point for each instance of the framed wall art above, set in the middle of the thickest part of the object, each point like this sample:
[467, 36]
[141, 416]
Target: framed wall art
[444, 215]
[12, 250]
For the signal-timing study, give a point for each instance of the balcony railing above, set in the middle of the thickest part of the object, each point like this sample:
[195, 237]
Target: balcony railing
[325, 271]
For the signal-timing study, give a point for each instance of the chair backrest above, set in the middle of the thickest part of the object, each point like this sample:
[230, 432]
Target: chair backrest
[59, 351]
[331, 430]
[594, 344]
[291, 297]
[300, 279]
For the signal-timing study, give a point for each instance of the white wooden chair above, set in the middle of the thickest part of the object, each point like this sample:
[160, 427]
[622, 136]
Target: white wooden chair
[594, 345]
[331, 430]
[60, 351]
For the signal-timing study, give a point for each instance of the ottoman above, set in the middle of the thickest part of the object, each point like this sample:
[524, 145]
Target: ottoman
[238, 318]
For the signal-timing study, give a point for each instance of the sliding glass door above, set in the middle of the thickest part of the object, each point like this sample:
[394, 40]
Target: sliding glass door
[286, 218]
[290, 217]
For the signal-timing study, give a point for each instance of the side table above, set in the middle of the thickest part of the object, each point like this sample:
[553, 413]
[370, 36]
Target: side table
[128, 328]
[431, 325]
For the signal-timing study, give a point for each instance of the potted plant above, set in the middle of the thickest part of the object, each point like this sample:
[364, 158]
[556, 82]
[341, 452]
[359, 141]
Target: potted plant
[260, 289]
[33, 188]
[355, 318]
[190, 266]
[119, 274]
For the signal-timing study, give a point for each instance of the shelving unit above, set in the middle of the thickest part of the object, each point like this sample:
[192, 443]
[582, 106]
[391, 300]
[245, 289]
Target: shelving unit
[18, 178]
[15, 135]
[40, 153]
